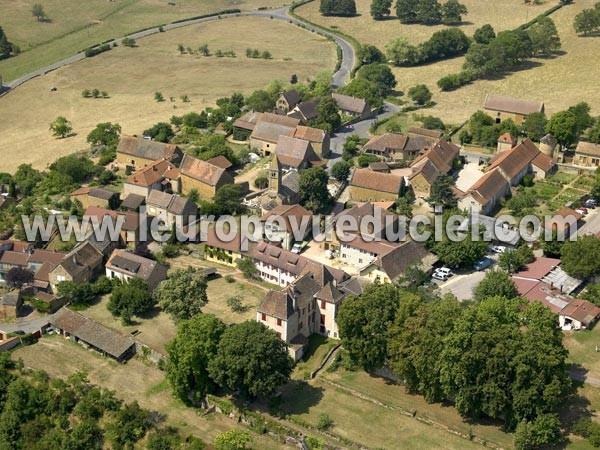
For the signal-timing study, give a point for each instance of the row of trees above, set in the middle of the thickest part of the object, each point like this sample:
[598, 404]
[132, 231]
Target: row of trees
[247, 358]
[430, 12]
[504, 52]
[442, 44]
[338, 7]
[500, 358]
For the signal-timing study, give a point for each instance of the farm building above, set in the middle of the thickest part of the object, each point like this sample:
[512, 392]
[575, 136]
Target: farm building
[95, 196]
[352, 106]
[367, 185]
[501, 108]
[136, 152]
[90, 333]
[125, 265]
[206, 178]
[587, 154]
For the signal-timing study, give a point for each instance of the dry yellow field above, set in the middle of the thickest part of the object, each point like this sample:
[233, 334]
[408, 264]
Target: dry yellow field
[132, 75]
[502, 15]
[559, 82]
[75, 25]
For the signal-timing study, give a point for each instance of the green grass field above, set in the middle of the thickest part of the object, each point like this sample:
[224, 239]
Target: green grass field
[75, 25]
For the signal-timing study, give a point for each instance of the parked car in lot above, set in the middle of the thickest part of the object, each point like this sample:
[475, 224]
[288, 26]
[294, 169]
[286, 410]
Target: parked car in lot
[444, 270]
[482, 264]
[591, 203]
[296, 248]
[582, 210]
[498, 248]
[440, 276]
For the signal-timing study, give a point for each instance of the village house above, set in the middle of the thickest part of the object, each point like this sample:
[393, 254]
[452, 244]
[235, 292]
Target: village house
[368, 185]
[202, 176]
[379, 166]
[389, 267]
[501, 108]
[505, 142]
[220, 161]
[284, 219]
[266, 134]
[305, 111]
[351, 106]
[579, 314]
[245, 125]
[80, 265]
[485, 194]
[521, 160]
[135, 152]
[133, 202]
[395, 146]
[132, 227]
[90, 333]
[276, 265]
[428, 135]
[587, 154]
[226, 251]
[11, 304]
[319, 139]
[172, 208]
[287, 101]
[296, 154]
[149, 178]
[125, 265]
[309, 305]
[435, 161]
[95, 196]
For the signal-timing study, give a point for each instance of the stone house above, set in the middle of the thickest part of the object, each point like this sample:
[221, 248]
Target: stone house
[284, 220]
[505, 142]
[368, 185]
[172, 208]
[149, 178]
[356, 107]
[319, 139]
[226, 252]
[125, 265]
[80, 265]
[132, 227]
[276, 265]
[287, 100]
[265, 135]
[395, 146]
[296, 154]
[95, 196]
[501, 108]
[305, 111]
[11, 304]
[202, 176]
[245, 125]
[484, 195]
[521, 160]
[135, 152]
[587, 154]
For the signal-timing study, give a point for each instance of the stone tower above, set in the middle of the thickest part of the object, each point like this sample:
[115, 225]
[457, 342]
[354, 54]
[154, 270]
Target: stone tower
[548, 145]
[275, 175]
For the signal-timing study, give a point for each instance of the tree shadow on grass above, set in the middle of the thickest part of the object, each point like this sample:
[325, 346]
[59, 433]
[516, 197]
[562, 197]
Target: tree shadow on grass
[296, 397]
[576, 406]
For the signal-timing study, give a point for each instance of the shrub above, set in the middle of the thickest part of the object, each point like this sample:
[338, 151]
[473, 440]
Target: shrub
[324, 422]
[97, 50]
[229, 279]
[455, 80]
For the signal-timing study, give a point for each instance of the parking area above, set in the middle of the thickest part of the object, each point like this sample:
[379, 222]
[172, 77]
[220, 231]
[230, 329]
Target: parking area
[461, 284]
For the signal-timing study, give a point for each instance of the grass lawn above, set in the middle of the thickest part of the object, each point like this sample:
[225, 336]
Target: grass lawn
[60, 357]
[363, 421]
[75, 25]
[396, 396]
[551, 80]
[585, 182]
[582, 350]
[318, 347]
[155, 330]
[131, 76]
[219, 290]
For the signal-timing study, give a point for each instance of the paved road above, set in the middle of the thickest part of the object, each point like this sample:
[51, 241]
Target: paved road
[339, 78]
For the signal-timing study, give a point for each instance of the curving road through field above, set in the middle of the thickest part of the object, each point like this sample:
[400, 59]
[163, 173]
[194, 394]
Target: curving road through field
[339, 78]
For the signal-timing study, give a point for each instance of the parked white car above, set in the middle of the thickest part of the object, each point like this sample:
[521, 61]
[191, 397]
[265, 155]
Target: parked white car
[498, 248]
[440, 276]
[444, 270]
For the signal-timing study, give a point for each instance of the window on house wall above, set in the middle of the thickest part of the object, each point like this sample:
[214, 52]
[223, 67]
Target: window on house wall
[279, 335]
[278, 322]
[322, 319]
[323, 304]
[263, 317]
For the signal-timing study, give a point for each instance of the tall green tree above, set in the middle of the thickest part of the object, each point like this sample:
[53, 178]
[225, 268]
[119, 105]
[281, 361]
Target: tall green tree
[130, 299]
[428, 12]
[194, 345]
[452, 12]
[313, 191]
[363, 88]
[563, 126]
[381, 75]
[252, 359]
[420, 94]
[328, 116]
[338, 7]
[415, 344]
[544, 36]
[182, 295]
[495, 283]
[441, 192]
[406, 10]
[106, 133]
[364, 322]
[587, 21]
[6, 47]
[380, 9]
[484, 35]
[534, 125]
[37, 11]
[61, 127]
[581, 258]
